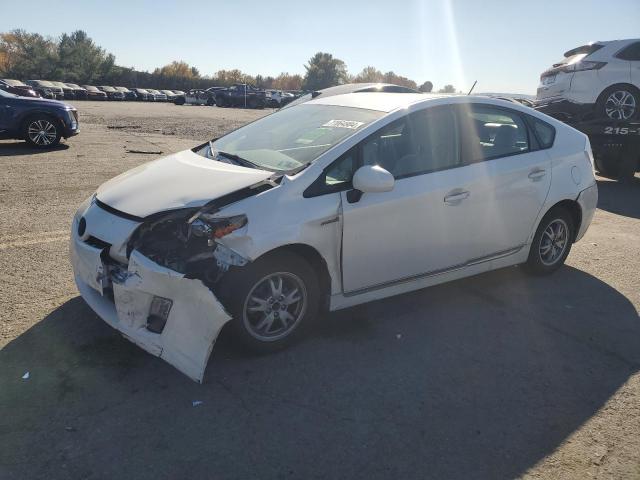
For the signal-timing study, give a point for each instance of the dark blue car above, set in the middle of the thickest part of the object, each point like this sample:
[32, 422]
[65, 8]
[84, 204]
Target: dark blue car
[39, 121]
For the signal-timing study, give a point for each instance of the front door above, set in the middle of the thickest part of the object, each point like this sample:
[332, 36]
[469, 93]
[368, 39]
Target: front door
[422, 225]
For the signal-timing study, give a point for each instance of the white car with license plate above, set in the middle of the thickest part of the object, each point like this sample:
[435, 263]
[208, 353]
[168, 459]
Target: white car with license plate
[596, 80]
[328, 204]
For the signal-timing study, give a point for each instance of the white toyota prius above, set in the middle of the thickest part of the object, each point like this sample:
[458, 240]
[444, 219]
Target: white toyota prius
[328, 204]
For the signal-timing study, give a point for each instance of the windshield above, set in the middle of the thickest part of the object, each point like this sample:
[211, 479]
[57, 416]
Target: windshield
[108, 89]
[91, 89]
[291, 138]
[122, 89]
[73, 85]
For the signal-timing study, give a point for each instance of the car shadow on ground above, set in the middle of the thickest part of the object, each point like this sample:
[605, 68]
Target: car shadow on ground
[479, 378]
[621, 198]
[23, 148]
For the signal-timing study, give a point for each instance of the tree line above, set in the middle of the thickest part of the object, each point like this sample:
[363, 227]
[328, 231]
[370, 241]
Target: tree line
[76, 58]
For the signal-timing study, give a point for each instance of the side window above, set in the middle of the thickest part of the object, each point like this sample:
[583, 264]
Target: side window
[390, 147]
[632, 53]
[490, 132]
[337, 176]
[340, 173]
[544, 132]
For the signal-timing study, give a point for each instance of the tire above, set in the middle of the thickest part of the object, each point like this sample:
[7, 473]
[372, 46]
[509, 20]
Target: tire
[220, 102]
[543, 261]
[619, 102]
[42, 131]
[261, 325]
[210, 102]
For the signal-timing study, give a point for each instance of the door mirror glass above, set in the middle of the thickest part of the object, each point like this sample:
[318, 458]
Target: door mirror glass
[372, 179]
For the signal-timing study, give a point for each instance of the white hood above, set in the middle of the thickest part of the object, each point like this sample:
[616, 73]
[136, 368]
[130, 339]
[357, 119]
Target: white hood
[184, 179]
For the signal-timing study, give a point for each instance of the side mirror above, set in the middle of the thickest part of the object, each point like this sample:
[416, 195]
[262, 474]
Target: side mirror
[373, 179]
[370, 179]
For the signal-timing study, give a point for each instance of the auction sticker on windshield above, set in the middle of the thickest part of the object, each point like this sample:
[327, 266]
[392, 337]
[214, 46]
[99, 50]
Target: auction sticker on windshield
[352, 124]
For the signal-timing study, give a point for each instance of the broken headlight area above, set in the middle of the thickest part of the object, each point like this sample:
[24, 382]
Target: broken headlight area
[185, 241]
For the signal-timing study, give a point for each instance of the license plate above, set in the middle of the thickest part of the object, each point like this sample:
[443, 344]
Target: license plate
[549, 80]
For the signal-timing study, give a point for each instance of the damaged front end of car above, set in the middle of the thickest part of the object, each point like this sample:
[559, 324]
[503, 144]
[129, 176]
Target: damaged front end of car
[154, 279]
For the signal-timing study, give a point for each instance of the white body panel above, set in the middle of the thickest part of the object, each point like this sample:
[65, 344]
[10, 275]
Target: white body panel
[384, 244]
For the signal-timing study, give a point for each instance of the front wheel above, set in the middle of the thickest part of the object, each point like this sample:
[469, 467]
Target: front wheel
[271, 301]
[42, 132]
[552, 242]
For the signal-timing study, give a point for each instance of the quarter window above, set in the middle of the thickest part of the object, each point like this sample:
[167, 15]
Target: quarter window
[632, 52]
[544, 132]
[488, 132]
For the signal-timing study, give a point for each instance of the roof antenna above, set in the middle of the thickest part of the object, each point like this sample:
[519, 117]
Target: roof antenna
[472, 87]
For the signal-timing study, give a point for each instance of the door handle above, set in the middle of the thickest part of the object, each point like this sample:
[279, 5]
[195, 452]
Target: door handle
[454, 197]
[537, 174]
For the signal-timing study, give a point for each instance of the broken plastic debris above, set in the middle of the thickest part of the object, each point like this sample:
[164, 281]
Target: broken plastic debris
[195, 403]
[26, 376]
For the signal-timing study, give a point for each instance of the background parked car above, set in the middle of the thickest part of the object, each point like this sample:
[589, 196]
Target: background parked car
[79, 92]
[171, 96]
[142, 94]
[111, 92]
[196, 96]
[128, 94]
[93, 93]
[46, 89]
[241, 95]
[278, 98]
[158, 96]
[17, 88]
[596, 80]
[40, 122]
[69, 93]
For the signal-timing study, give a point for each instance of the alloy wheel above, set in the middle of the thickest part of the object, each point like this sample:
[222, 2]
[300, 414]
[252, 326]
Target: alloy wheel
[42, 132]
[274, 306]
[620, 105]
[554, 242]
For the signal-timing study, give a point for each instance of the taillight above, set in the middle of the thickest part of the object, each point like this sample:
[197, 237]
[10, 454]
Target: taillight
[581, 66]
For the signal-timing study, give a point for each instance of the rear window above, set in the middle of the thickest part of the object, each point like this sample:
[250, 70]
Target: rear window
[579, 53]
[632, 52]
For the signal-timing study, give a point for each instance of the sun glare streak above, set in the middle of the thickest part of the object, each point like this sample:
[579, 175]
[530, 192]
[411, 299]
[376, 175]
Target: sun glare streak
[454, 49]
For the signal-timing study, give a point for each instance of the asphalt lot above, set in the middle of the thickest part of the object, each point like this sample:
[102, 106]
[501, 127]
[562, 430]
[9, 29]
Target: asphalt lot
[497, 376]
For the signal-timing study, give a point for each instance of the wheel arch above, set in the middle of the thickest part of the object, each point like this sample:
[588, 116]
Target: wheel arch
[630, 86]
[574, 209]
[24, 118]
[316, 261]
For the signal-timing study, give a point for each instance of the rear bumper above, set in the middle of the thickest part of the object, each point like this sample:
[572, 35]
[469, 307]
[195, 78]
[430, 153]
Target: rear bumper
[588, 201]
[122, 296]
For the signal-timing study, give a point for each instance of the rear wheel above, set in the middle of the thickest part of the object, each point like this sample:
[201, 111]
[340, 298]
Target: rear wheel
[619, 102]
[220, 102]
[42, 132]
[552, 242]
[271, 300]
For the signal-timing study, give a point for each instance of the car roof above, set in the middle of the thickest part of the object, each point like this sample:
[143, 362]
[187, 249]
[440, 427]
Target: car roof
[381, 101]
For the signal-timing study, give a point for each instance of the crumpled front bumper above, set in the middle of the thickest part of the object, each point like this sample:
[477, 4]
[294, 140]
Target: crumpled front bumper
[122, 296]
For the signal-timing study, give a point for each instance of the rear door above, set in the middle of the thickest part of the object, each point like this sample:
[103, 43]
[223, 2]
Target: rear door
[511, 177]
[632, 55]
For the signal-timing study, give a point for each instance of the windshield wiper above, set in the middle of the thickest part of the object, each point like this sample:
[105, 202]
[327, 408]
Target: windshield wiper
[232, 156]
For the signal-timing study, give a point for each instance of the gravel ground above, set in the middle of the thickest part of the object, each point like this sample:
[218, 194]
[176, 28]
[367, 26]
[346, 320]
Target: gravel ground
[497, 376]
